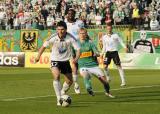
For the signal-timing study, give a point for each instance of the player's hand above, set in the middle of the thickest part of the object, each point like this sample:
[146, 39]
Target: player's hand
[101, 55]
[97, 54]
[126, 50]
[74, 61]
[36, 59]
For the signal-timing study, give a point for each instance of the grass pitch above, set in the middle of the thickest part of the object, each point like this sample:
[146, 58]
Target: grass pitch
[30, 91]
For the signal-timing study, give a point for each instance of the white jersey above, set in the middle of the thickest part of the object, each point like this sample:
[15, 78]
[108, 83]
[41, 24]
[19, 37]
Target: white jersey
[74, 27]
[110, 43]
[62, 49]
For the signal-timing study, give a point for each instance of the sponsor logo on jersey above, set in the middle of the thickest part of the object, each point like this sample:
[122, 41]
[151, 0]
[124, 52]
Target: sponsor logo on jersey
[86, 54]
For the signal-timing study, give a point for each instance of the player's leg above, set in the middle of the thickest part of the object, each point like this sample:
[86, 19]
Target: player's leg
[56, 82]
[75, 77]
[107, 61]
[122, 76]
[100, 75]
[67, 71]
[87, 80]
[68, 82]
[106, 86]
[106, 72]
[117, 61]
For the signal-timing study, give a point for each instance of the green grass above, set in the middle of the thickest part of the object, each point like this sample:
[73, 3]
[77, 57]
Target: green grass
[30, 91]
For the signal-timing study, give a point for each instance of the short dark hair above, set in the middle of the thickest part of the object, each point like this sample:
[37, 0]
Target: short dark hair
[62, 24]
[71, 9]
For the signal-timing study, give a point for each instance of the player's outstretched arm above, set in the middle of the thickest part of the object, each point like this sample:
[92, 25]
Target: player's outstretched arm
[77, 56]
[41, 50]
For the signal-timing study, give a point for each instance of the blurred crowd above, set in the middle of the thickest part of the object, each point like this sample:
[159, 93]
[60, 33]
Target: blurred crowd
[44, 14]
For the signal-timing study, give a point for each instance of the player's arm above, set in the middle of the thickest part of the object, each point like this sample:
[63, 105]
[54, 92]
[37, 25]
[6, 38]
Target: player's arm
[45, 44]
[102, 54]
[76, 46]
[94, 49]
[77, 55]
[122, 43]
[41, 50]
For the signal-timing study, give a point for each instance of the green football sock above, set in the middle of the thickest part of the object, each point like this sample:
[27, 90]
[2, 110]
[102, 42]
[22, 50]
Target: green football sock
[87, 82]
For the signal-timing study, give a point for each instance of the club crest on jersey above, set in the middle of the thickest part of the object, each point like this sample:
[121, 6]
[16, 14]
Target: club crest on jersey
[28, 41]
[62, 48]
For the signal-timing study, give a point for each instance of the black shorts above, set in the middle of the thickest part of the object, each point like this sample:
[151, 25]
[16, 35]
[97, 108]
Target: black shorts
[63, 66]
[112, 55]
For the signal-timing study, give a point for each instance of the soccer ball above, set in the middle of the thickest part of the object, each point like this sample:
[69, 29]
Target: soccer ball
[65, 100]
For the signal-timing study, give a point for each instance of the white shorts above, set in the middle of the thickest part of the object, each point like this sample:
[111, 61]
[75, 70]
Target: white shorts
[92, 71]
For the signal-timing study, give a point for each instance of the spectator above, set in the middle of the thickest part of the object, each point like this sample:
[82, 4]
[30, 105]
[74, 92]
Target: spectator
[44, 13]
[118, 16]
[16, 23]
[146, 21]
[35, 23]
[50, 22]
[98, 19]
[154, 24]
[91, 18]
[135, 16]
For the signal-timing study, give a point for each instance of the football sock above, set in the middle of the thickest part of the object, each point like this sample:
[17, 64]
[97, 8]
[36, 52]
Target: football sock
[87, 82]
[105, 84]
[65, 87]
[106, 72]
[106, 87]
[57, 88]
[121, 72]
[75, 77]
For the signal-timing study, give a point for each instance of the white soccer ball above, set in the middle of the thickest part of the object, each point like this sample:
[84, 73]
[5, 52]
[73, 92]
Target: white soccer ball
[65, 100]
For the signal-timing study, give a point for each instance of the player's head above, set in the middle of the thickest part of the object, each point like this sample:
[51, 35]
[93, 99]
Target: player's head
[143, 35]
[62, 24]
[109, 29]
[82, 33]
[71, 14]
[61, 28]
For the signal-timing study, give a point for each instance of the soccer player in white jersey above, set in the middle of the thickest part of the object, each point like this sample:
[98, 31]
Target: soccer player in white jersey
[60, 56]
[73, 26]
[88, 65]
[110, 43]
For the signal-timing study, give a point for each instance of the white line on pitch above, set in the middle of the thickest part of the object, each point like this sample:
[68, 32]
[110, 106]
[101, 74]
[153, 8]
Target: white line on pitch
[34, 97]
[138, 103]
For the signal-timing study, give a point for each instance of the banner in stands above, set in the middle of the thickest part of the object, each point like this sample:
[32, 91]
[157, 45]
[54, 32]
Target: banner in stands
[11, 41]
[146, 41]
[44, 61]
[12, 59]
[128, 61]
[32, 40]
[24, 40]
[8, 40]
[140, 60]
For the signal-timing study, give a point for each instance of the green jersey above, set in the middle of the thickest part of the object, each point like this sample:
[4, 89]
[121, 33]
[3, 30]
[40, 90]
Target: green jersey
[87, 51]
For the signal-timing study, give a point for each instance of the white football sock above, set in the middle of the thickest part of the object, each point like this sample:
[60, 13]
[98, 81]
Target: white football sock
[121, 72]
[75, 78]
[65, 88]
[57, 89]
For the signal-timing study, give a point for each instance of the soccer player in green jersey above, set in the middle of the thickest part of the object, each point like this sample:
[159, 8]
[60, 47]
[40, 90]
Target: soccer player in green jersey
[88, 65]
